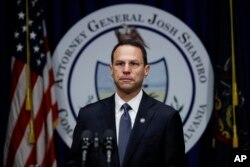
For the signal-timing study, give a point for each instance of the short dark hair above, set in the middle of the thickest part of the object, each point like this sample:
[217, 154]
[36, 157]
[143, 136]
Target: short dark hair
[131, 42]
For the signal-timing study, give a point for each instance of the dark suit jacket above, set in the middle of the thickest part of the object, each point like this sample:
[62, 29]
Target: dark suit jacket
[158, 142]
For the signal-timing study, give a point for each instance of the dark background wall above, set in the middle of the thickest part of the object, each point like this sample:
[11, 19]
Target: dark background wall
[209, 19]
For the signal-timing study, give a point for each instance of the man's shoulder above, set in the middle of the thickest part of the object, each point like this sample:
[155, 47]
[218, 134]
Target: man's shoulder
[101, 102]
[158, 105]
[149, 99]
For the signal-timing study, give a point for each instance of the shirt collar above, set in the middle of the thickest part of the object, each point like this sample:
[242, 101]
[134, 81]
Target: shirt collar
[134, 102]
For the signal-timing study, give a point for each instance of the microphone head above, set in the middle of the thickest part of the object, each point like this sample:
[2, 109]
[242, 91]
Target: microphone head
[109, 133]
[108, 139]
[86, 139]
[86, 134]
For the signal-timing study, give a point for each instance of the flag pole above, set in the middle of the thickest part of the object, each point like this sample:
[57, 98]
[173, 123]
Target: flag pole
[28, 104]
[234, 82]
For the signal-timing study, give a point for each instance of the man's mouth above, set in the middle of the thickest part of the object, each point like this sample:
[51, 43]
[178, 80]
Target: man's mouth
[126, 79]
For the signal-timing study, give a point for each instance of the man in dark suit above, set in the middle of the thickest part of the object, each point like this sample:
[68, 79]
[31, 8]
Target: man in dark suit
[147, 133]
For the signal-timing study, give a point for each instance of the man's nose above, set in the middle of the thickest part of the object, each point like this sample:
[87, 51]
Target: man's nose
[126, 67]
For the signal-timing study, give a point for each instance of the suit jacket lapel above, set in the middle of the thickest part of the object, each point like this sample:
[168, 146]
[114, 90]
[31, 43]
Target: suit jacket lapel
[108, 114]
[142, 121]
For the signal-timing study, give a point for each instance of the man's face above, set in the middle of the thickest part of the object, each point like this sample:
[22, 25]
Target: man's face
[128, 69]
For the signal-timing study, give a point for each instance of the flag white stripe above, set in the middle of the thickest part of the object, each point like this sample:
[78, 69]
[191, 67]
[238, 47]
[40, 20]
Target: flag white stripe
[52, 90]
[23, 150]
[16, 103]
[41, 143]
[37, 95]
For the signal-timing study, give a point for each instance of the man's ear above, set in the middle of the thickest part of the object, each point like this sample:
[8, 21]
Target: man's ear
[111, 69]
[146, 70]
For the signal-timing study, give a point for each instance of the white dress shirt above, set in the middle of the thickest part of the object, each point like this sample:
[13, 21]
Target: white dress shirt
[134, 104]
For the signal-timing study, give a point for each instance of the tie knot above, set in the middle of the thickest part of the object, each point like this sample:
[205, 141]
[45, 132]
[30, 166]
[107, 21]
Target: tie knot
[126, 107]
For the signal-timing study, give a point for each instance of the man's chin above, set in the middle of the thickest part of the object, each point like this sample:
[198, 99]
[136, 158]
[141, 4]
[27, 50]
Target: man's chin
[127, 89]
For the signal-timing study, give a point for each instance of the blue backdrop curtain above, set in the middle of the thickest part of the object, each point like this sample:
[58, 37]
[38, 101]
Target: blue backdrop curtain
[209, 19]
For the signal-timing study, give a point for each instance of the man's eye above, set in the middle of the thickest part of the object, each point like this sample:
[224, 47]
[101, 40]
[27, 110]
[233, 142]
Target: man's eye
[120, 64]
[134, 64]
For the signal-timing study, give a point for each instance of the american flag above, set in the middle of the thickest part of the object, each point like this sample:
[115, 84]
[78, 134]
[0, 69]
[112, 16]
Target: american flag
[33, 111]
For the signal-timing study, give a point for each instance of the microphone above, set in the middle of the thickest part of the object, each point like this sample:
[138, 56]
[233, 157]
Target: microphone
[96, 141]
[96, 148]
[86, 142]
[108, 142]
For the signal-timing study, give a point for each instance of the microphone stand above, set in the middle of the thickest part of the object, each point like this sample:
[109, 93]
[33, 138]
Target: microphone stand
[96, 149]
[86, 142]
[84, 155]
[108, 142]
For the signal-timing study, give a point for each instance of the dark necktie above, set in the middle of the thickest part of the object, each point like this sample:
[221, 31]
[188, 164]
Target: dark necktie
[124, 131]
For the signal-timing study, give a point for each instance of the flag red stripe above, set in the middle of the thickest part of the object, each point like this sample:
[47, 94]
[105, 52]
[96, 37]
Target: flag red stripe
[50, 157]
[32, 157]
[19, 129]
[17, 135]
[54, 106]
[46, 44]
[44, 109]
[54, 112]
[24, 117]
